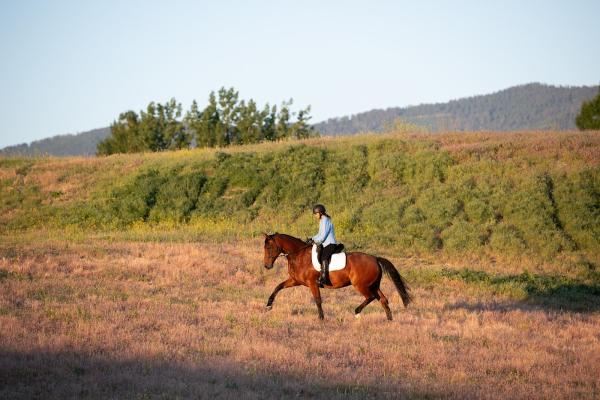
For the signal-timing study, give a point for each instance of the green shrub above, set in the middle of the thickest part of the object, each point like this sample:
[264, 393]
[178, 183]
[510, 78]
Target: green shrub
[532, 209]
[178, 196]
[478, 212]
[439, 204]
[346, 176]
[507, 238]
[462, 236]
[578, 206]
[420, 237]
[134, 201]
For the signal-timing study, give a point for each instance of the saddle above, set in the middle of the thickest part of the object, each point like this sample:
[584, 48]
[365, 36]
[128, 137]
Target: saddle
[338, 259]
[339, 247]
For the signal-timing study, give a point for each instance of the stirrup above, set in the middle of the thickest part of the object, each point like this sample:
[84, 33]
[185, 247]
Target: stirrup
[321, 281]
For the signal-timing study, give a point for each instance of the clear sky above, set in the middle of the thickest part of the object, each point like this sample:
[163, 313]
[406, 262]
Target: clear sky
[71, 66]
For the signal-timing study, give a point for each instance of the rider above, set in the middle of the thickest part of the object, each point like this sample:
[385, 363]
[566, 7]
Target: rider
[325, 238]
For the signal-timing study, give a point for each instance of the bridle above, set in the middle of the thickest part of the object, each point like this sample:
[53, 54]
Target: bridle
[293, 252]
[284, 254]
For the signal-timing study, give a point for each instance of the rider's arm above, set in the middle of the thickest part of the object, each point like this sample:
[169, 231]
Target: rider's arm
[324, 227]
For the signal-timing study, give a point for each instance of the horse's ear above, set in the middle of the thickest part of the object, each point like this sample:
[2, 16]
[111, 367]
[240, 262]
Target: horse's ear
[265, 235]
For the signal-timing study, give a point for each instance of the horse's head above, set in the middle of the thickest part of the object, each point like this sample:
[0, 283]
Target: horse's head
[272, 251]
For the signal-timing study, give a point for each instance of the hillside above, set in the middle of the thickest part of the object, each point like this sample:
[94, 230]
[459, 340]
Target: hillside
[79, 144]
[506, 196]
[527, 107]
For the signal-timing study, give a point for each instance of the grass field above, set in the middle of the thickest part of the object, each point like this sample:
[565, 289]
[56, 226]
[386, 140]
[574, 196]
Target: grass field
[140, 276]
[182, 320]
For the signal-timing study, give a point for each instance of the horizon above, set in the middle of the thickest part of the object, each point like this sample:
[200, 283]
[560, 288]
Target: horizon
[338, 116]
[75, 67]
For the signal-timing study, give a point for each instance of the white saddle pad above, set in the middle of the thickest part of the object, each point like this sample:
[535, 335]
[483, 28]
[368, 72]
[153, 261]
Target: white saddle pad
[338, 260]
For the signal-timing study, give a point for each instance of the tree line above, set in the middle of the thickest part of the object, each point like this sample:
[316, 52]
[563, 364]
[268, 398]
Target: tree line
[226, 120]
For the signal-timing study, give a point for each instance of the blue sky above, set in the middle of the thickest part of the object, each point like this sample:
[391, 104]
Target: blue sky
[70, 66]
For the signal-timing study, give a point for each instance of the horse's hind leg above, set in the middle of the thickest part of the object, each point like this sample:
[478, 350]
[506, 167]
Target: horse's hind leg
[363, 305]
[369, 294]
[384, 303]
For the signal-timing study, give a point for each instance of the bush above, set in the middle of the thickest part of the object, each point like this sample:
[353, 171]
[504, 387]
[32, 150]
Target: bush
[462, 236]
[439, 205]
[532, 209]
[578, 206]
[178, 196]
[507, 238]
[479, 212]
[134, 201]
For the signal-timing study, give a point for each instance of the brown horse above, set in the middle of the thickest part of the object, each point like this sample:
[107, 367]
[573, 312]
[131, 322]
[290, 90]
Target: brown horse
[363, 271]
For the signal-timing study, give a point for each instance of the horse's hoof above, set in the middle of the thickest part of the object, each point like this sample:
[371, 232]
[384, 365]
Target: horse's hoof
[268, 308]
[357, 316]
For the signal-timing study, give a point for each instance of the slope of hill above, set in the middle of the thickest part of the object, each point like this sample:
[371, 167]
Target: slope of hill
[527, 107]
[80, 144]
[527, 196]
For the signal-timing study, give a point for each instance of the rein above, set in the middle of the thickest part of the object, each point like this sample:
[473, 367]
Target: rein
[293, 252]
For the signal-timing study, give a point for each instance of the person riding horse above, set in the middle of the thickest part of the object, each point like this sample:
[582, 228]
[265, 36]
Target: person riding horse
[326, 239]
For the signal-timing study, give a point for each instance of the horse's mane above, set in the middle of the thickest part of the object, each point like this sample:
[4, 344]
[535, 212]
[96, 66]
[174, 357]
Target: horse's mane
[290, 238]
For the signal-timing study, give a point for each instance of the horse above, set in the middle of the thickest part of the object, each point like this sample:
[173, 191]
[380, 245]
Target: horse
[363, 271]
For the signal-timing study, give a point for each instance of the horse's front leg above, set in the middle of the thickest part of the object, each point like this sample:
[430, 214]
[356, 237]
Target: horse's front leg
[291, 282]
[317, 296]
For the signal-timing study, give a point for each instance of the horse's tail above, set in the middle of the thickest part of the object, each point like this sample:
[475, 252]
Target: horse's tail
[394, 275]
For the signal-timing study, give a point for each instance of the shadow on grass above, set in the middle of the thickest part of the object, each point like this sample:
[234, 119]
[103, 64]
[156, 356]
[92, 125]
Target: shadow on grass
[550, 292]
[71, 375]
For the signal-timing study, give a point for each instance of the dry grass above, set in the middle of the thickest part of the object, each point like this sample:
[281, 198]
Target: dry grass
[151, 320]
[555, 146]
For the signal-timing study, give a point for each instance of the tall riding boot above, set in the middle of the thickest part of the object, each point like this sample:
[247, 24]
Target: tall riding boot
[324, 279]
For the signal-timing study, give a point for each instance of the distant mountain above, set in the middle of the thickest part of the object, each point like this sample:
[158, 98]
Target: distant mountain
[80, 144]
[527, 107]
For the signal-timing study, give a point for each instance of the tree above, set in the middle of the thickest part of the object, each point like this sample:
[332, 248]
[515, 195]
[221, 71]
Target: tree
[228, 112]
[283, 121]
[250, 121]
[589, 116]
[193, 121]
[210, 123]
[161, 127]
[301, 129]
[175, 134]
[125, 136]
[225, 120]
[150, 128]
[269, 129]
